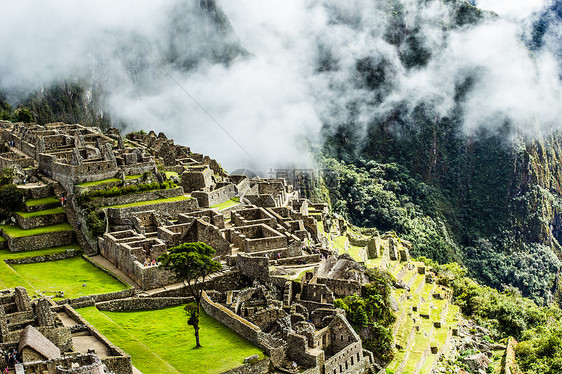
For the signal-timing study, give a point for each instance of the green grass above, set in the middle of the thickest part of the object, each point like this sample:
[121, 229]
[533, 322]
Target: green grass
[45, 212]
[48, 276]
[160, 341]
[6, 254]
[170, 174]
[9, 277]
[42, 201]
[99, 183]
[339, 244]
[227, 204]
[15, 231]
[129, 177]
[68, 275]
[141, 203]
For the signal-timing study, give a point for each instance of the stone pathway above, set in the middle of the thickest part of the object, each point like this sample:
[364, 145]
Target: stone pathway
[103, 262]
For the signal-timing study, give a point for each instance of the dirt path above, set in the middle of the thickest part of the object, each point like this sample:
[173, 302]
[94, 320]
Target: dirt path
[102, 261]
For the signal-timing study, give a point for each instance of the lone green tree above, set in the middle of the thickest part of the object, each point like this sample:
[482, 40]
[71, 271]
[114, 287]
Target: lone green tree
[191, 263]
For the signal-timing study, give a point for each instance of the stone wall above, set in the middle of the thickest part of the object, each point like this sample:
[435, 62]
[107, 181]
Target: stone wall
[347, 361]
[260, 367]
[341, 288]
[196, 179]
[139, 196]
[266, 201]
[27, 223]
[149, 277]
[255, 268]
[121, 216]
[231, 320]
[208, 199]
[31, 260]
[118, 361]
[8, 159]
[143, 303]
[125, 250]
[72, 174]
[91, 300]
[139, 168]
[299, 259]
[39, 241]
[38, 192]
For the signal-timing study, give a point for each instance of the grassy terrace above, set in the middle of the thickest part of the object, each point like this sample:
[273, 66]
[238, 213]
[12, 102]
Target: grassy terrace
[129, 177]
[99, 183]
[45, 212]
[227, 204]
[170, 174]
[15, 231]
[141, 203]
[160, 341]
[47, 276]
[339, 244]
[41, 201]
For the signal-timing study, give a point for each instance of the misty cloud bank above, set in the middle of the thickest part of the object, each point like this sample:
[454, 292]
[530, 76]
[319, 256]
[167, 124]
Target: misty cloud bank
[299, 76]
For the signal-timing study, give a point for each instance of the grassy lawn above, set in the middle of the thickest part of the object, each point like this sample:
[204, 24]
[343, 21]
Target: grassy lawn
[129, 177]
[45, 212]
[42, 201]
[228, 203]
[15, 231]
[48, 275]
[160, 341]
[99, 183]
[140, 203]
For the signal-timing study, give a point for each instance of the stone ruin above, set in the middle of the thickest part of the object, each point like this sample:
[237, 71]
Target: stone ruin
[42, 343]
[295, 323]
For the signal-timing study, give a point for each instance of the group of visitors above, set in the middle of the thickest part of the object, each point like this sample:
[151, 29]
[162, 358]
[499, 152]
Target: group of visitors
[148, 262]
[11, 358]
[11, 143]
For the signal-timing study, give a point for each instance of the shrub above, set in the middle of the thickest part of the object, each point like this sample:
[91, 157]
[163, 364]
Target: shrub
[23, 115]
[96, 223]
[118, 191]
[11, 197]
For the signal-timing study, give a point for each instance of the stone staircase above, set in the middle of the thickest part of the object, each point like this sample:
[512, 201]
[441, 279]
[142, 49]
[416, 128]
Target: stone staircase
[41, 224]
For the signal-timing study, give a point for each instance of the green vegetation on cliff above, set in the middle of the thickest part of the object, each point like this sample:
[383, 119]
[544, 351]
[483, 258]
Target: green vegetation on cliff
[508, 314]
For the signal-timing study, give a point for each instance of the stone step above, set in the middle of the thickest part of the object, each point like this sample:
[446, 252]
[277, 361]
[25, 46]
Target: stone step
[46, 217]
[37, 205]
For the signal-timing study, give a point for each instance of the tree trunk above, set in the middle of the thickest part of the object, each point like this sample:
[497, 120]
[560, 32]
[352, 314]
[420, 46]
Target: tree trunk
[196, 325]
[196, 328]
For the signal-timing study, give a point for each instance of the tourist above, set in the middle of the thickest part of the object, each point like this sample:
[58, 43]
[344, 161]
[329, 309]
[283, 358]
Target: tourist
[62, 201]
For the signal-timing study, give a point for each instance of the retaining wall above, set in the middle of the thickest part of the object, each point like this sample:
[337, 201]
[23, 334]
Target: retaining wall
[143, 303]
[27, 223]
[120, 216]
[32, 260]
[139, 196]
[39, 241]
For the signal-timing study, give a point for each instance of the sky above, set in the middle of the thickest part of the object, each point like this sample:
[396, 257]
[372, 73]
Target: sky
[266, 108]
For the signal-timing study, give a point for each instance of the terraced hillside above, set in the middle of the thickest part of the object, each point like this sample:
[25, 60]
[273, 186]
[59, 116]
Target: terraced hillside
[426, 318]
